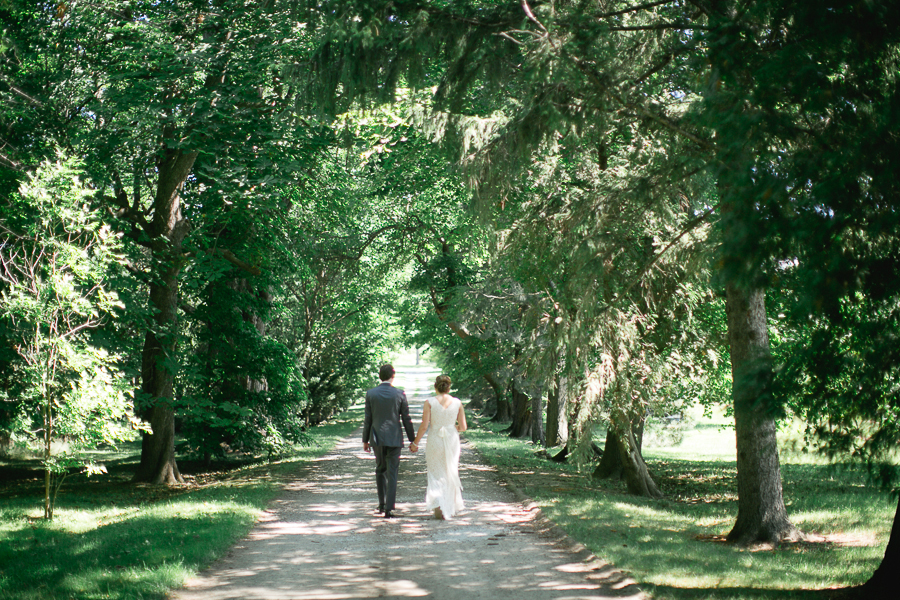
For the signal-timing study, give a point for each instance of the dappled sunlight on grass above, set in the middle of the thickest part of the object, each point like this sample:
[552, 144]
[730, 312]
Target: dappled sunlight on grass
[111, 539]
[674, 546]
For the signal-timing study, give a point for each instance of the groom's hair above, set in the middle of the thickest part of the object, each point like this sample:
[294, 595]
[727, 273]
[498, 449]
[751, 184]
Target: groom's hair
[386, 372]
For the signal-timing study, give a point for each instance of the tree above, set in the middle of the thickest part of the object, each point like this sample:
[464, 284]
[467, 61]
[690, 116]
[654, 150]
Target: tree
[184, 119]
[56, 255]
[594, 99]
[805, 97]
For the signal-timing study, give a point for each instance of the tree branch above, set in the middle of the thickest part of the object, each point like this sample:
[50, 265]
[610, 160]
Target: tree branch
[635, 8]
[230, 257]
[689, 226]
[659, 27]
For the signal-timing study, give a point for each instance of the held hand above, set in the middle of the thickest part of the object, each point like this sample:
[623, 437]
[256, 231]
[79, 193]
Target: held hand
[366, 447]
[413, 447]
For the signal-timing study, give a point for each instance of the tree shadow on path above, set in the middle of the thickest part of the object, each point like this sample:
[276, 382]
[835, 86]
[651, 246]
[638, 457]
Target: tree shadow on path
[322, 540]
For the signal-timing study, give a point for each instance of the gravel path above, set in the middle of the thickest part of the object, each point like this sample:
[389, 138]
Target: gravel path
[322, 540]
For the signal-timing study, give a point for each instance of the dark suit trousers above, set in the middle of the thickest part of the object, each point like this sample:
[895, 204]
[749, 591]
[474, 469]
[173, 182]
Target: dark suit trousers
[387, 465]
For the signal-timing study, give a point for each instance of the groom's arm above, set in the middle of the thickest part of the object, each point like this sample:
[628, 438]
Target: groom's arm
[404, 416]
[367, 424]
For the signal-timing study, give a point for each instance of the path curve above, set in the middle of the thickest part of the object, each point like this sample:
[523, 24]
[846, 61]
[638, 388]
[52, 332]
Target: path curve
[321, 540]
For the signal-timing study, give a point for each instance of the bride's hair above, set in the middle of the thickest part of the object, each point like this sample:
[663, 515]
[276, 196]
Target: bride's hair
[442, 384]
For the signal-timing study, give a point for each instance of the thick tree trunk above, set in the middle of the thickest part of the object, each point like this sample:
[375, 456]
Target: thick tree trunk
[622, 459]
[634, 469]
[157, 386]
[611, 464]
[501, 405]
[885, 582]
[259, 323]
[503, 414]
[552, 432]
[762, 517]
[167, 232]
[522, 418]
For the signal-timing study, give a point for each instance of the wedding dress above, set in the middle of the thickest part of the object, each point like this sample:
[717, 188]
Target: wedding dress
[442, 459]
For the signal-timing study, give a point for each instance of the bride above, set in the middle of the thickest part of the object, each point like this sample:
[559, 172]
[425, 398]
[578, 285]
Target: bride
[447, 419]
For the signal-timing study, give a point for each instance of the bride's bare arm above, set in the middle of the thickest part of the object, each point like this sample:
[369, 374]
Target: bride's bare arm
[461, 420]
[426, 419]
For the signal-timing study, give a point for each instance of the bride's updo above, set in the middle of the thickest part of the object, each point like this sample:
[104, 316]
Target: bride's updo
[442, 384]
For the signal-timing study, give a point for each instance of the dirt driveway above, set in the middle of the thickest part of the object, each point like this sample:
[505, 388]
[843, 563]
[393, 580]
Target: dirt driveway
[322, 540]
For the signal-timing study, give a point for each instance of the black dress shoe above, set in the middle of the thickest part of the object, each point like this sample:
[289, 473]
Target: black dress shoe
[389, 515]
[380, 509]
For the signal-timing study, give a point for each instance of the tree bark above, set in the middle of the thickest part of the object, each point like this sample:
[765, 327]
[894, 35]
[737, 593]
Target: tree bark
[538, 438]
[634, 469]
[522, 418]
[611, 463]
[885, 582]
[552, 433]
[503, 413]
[622, 458]
[259, 323]
[167, 232]
[762, 517]
[557, 413]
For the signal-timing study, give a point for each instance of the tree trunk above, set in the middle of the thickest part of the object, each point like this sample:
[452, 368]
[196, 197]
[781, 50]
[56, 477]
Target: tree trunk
[502, 412]
[157, 386]
[611, 463]
[762, 516]
[48, 476]
[167, 232]
[537, 419]
[521, 413]
[259, 323]
[885, 582]
[552, 433]
[557, 414]
[634, 469]
[622, 457]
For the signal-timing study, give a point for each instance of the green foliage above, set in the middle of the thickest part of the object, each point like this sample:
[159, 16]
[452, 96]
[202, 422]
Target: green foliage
[56, 256]
[133, 88]
[241, 389]
[803, 121]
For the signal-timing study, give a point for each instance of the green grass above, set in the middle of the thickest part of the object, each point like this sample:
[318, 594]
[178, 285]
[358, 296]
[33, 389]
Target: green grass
[673, 546]
[112, 539]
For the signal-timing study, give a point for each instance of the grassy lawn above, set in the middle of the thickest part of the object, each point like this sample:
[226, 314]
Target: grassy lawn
[674, 547]
[112, 539]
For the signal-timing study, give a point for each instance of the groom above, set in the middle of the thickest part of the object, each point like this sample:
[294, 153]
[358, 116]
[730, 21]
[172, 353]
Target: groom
[386, 406]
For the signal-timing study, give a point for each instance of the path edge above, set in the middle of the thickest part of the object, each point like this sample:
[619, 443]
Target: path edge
[559, 535]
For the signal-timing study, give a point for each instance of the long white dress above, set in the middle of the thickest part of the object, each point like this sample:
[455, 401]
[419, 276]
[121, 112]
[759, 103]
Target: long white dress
[442, 459]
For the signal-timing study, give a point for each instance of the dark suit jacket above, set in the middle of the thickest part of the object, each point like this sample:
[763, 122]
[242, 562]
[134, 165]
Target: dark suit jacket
[386, 406]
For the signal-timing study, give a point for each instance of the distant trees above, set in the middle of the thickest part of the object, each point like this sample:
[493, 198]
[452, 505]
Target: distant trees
[683, 115]
[194, 148]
